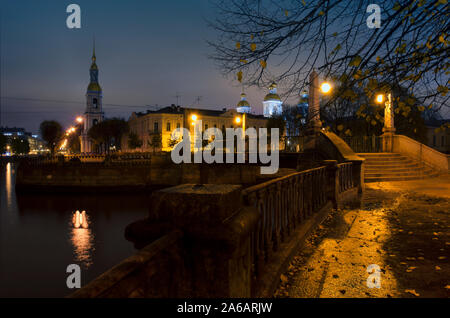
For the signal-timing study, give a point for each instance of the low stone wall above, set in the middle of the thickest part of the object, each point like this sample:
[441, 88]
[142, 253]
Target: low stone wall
[158, 270]
[414, 149]
[127, 176]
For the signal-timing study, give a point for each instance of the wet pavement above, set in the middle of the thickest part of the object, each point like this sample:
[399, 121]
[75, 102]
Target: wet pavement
[396, 245]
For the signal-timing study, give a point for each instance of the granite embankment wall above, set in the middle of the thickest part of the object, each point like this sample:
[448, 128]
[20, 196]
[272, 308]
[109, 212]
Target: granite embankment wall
[156, 172]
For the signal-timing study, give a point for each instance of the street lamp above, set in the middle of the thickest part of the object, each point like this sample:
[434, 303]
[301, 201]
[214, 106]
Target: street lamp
[325, 87]
[79, 119]
[380, 98]
[194, 119]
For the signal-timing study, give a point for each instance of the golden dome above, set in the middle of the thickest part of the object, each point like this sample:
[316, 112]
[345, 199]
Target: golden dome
[272, 96]
[94, 87]
[243, 103]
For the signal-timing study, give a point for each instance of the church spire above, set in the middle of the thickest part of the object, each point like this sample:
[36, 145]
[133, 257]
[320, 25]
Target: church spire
[93, 71]
[93, 52]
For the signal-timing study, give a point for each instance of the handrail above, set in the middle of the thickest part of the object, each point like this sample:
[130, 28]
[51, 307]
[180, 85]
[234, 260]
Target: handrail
[282, 204]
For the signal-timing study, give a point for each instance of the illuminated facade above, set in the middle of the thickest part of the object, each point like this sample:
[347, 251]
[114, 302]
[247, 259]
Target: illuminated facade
[162, 122]
[243, 106]
[272, 103]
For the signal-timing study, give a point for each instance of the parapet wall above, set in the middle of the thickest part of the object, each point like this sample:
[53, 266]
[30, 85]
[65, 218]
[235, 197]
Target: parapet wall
[128, 176]
[414, 149]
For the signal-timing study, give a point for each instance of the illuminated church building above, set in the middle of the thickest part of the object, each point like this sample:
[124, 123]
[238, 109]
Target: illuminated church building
[93, 114]
[272, 103]
[243, 106]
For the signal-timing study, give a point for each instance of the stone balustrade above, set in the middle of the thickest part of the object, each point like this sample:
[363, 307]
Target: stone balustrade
[222, 240]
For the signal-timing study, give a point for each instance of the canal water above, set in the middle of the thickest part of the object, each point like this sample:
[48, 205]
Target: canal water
[38, 239]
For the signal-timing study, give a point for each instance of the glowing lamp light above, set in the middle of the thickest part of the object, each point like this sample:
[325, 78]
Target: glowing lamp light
[325, 87]
[79, 119]
[380, 98]
[238, 120]
[194, 117]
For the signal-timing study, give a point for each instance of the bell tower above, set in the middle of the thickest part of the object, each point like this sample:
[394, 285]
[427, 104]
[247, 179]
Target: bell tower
[94, 112]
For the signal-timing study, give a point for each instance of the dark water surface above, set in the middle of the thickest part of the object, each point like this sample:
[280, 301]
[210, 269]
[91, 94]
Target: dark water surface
[38, 240]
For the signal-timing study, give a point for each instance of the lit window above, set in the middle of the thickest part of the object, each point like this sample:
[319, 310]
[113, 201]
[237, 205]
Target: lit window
[168, 126]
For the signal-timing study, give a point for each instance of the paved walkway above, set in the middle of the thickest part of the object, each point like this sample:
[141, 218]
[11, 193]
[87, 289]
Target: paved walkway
[402, 227]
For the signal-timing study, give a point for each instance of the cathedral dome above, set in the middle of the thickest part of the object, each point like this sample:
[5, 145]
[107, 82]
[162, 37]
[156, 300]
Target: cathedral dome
[272, 93]
[243, 102]
[272, 97]
[94, 87]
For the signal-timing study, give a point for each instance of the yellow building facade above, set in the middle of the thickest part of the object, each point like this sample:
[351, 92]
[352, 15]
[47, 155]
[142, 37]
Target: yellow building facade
[150, 125]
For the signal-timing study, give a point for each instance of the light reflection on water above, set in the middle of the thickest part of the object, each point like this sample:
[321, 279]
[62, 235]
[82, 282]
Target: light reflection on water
[38, 240]
[83, 242]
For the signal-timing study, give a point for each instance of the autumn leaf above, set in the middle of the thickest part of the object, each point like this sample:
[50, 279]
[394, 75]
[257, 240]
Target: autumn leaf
[283, 278]
[239, 76]
[238, 45]
[286, 13]
[263, 63]
[252, 36]
[355, 61]
[243, 61]
[340, 127]
[253, 46]
[412, 291]
[321, 13]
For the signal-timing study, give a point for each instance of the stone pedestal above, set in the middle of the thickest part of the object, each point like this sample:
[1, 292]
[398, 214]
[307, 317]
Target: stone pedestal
[388, 129]
[388, 139]
[216, 229]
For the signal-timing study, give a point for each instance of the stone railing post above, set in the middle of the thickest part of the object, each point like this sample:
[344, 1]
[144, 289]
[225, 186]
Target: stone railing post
[217, 235]
[358, 174]
[332, 181]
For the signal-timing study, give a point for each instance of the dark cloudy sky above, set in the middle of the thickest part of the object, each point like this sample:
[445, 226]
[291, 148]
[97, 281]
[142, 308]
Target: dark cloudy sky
[147, 51]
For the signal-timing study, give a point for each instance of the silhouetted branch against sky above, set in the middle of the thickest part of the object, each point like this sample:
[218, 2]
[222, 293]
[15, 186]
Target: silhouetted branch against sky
[282, 40]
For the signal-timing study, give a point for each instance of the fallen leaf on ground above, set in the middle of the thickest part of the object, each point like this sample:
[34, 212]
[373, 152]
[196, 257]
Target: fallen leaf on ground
[410, 269]
[437, 268]
[412, 291]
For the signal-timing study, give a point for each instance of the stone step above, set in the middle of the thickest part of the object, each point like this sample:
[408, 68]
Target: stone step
[379, 167]
[399, 159]
[398, 178]
[379, 155]
[387, 174]
[391, 170]
[411, 165]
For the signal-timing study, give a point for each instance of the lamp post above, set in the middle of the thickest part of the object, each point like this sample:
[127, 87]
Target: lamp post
[388, 128]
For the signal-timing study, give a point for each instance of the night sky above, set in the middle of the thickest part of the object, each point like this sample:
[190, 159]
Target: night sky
[147, 51]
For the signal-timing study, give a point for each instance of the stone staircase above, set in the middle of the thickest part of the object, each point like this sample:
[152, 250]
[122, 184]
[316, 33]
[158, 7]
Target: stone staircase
[393, 167]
